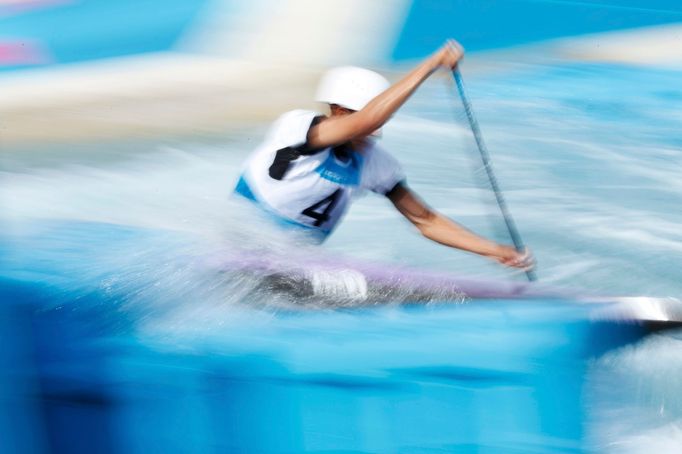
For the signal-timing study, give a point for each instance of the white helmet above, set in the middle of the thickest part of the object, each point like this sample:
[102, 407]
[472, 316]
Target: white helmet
[350, 87]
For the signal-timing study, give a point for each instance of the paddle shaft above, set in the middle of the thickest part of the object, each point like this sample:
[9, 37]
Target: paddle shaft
[511, 227]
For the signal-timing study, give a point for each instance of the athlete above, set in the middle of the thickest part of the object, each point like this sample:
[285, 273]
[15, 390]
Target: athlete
[311, 166]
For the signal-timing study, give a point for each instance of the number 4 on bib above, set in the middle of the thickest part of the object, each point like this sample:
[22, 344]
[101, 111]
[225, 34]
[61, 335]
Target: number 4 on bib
[321, 210]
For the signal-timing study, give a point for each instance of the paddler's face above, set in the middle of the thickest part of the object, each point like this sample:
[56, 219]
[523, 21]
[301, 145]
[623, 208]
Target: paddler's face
[360, 142]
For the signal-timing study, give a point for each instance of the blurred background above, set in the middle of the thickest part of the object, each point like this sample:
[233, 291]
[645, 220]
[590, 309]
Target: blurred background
[125, 328]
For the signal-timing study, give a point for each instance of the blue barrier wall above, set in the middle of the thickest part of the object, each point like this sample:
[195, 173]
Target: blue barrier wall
[73, 31]
[489, 24]
[68, 32]
[505, 377]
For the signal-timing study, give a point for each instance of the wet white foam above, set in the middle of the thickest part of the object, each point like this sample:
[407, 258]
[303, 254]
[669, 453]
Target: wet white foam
[635, 404]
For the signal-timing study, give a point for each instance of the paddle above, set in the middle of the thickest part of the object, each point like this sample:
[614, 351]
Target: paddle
[485, 157]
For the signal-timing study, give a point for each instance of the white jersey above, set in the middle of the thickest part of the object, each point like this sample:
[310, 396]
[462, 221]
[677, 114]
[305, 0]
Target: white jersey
[312, 188]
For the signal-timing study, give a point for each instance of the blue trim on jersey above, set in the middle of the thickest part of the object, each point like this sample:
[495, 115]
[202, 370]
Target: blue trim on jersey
[244, 190]
[345, 174]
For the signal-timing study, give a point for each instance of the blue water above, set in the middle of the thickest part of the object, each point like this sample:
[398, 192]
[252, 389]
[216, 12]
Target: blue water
[107, 250]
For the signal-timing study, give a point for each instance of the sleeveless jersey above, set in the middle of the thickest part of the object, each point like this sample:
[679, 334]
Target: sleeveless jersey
[312, 188]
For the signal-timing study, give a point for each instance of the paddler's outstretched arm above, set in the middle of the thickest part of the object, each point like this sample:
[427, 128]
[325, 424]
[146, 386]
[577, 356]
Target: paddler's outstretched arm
[342, 129]
[440, 229]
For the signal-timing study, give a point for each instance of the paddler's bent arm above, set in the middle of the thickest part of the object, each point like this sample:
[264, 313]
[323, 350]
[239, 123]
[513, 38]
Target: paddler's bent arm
[440, 229]
[338, 130]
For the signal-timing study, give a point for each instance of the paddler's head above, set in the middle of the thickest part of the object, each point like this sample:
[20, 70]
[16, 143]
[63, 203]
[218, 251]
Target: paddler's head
[348, 89]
